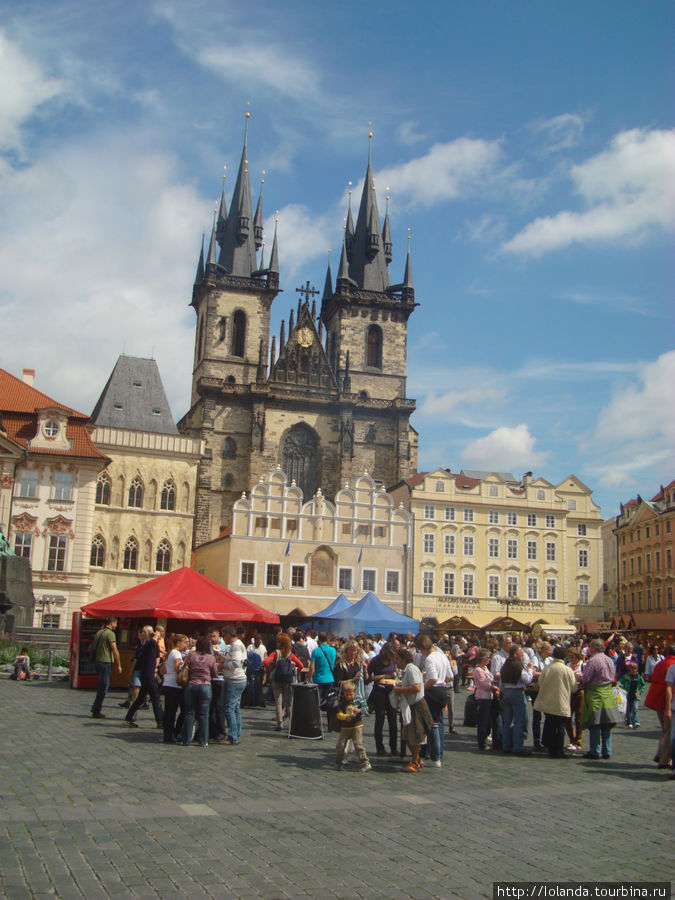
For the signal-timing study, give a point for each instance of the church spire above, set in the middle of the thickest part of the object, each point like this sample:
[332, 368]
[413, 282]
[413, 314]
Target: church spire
[274, 256]
[368, 266]
[199, 277]
[212, 258]
[222, 213]
[258, 220]
[349, 228]
[237, 255]
[386, 234]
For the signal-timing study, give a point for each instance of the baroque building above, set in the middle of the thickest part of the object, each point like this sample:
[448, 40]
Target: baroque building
[326, 401]
[293, 556]
[143, 509]
[48, 471]
[488, 545]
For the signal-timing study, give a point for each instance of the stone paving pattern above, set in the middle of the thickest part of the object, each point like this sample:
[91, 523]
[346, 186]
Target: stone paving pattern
[93, 810]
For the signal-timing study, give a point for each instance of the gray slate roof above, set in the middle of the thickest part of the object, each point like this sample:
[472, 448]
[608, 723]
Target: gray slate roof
[134, 398]
[480, 475]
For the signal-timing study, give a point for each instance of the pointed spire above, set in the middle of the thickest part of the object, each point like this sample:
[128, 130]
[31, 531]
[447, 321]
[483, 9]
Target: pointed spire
[222, 213]
[368, 266]
[212, 258]
[262, 368]
[328, 284]
[349, 227]
[274, 257]
[386, 234]
[258, 220]
[238, 250]
[343, 271]
[261, 267]
[282, 336]
[291, 324]
[407, 277]
[273, 352]
[199, 277]
[313, 309]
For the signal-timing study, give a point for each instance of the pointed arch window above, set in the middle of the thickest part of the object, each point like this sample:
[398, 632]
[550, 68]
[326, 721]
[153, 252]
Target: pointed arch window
[97, 552]
[163, 563]
[229, 448]
[167, 498]
[300, 458]
[103, 490]
[136, 492]
[374, 347]
[130, 560]
[239, 333]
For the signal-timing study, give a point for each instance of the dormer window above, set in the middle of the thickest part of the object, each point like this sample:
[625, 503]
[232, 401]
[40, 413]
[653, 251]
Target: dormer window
[51, 428]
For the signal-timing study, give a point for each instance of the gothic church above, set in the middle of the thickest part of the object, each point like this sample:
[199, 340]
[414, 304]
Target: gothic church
[326, 401]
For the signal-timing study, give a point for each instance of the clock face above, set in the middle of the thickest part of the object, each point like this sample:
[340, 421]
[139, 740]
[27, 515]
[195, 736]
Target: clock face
[304, 336]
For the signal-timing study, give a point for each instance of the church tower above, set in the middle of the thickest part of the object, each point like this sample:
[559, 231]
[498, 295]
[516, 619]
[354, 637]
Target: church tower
[327, 401]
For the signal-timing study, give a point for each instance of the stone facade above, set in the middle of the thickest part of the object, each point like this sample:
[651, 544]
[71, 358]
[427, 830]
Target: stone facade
[295, 556]
[488, 545]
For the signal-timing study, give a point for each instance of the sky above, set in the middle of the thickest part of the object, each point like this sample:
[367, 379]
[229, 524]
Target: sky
[529, 154]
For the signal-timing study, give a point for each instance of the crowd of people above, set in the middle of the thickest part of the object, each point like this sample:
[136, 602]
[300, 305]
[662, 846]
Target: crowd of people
[408, 683]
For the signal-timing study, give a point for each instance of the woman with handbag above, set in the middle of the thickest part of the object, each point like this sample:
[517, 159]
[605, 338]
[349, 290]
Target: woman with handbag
[173, 692]
[415, 716]
[201, 668]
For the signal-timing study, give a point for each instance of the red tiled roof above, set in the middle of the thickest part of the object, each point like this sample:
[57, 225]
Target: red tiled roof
[463, 481]
[19, 397]
[666, 490]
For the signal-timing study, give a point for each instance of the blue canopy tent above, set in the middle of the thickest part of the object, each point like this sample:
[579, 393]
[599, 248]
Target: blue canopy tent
[334, 607]
[371, 616]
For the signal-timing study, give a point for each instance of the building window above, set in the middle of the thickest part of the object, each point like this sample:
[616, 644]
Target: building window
[512, 587]
[363, 530]
[63, 485]
[632, 565]
[261, 522]
[392, 582]
[368, 580]
[301, 457]
[551, 588]
[532, 520]
[669, 557]
[583, 594]
[28, 483]
[374, 347]
[550, 551]
[136, 493]
[168, 496]
[531, 549]
[427, 582]
[670, 597]
[532, 588]
[380, 531]
[467, 585]
[273, 575]
[103, 490]
[449, 544]
[493, 548]
[292, 526]
[581, 529]
[229, 448]
[657, 561]
[493, 586]
[345, 579]
[648, 562]
[429, 512]
[429, 541]
[297, 576]
[550, 521]
[649, 599]
[511, 518]
[583, 559]
[130, 560]
[493, 516]
[468, 545]
[449, 514]
[493, 491]
[51, 620]
[97, 557]
[58, 544]
[468, 515]
[239, 333]
[449, 584]
[512, 548]
[23, 542]
[163, 558]
[247, 573]
[658, 598]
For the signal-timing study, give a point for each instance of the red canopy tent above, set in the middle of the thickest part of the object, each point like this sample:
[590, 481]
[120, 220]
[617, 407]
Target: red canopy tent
[182, 594]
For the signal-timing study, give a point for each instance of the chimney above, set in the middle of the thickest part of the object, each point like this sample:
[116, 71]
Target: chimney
[29, 376]
[527, 478]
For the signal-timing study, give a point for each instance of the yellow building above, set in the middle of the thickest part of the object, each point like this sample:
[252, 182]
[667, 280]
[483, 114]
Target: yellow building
[487, 545]
[292, 556]
[144, 505]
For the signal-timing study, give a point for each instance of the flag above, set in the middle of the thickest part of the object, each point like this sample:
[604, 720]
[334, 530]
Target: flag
[360, 554]
[288, 548]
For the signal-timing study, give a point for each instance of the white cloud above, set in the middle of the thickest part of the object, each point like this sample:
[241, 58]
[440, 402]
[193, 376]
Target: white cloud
[503, 449]
[629, 190]
[561, 132]
[458, 403]
[24, 90]
[97, 251]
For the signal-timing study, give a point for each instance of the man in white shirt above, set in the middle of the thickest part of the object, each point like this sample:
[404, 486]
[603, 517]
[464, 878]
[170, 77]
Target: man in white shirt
[234, 672]
[500, 657]
[437, 676]
[311, 642]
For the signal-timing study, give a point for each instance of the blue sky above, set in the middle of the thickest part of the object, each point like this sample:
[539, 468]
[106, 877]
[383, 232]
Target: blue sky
[529, 148]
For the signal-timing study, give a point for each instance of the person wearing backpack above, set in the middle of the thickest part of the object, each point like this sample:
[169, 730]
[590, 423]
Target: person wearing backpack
[280, 665]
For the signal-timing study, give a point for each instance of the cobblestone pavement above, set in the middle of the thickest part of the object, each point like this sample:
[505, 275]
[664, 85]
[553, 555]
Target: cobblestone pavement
[91, 809]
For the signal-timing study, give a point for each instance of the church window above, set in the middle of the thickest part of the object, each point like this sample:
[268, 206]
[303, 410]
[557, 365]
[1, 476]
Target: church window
[103, 490]
[97, 551]
[163, 557]
[130, 560]
[374, 347]
[229, 448]
[168, 496]
[136, 492]
[300, 458]
[238, 333]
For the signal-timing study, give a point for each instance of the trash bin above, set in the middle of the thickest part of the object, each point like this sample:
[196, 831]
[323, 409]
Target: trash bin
[305, 719]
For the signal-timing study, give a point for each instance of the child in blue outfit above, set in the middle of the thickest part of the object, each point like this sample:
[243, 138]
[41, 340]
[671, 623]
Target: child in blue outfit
[633, 684]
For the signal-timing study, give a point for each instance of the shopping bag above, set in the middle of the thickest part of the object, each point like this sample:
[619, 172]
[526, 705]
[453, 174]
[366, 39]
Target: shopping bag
[620, 695]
